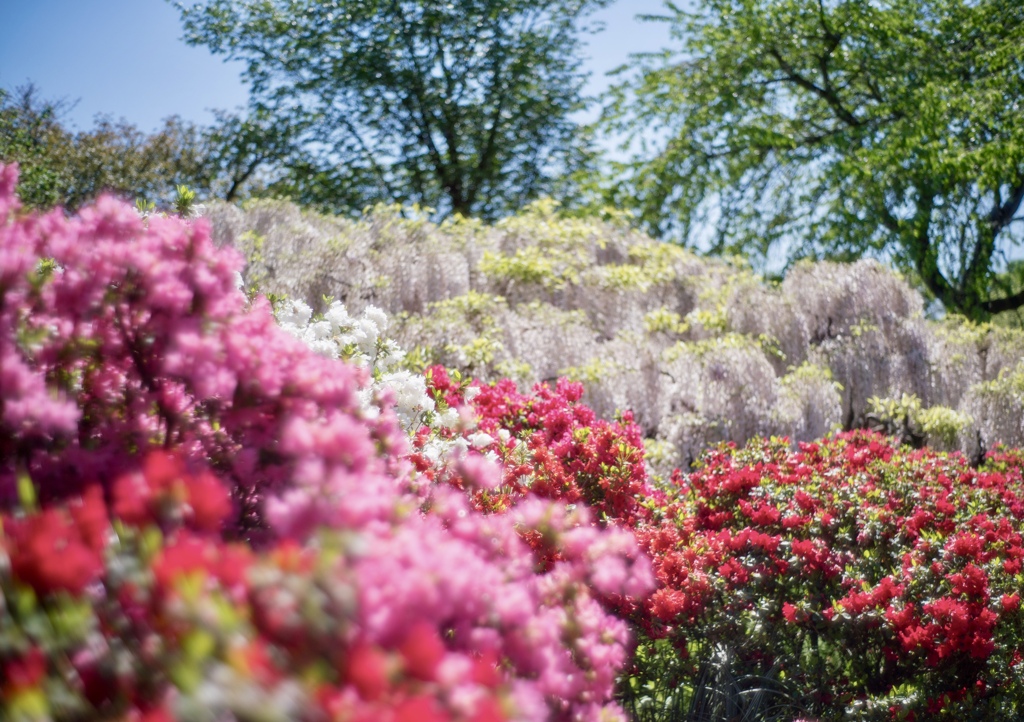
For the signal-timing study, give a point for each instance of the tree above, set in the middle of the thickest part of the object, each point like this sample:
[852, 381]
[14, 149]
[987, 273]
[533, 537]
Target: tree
[236, 157]
[462, 105]
[116, 157]
[254, 154]
[32, 135]
[840, 128]
[65, 168]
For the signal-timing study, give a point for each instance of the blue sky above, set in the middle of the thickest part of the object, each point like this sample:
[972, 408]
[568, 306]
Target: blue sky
[126, 59]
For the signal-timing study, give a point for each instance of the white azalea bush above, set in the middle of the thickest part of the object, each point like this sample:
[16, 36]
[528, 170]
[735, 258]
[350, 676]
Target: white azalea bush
[362, 341]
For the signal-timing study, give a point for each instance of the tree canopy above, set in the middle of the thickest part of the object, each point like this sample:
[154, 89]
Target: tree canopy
[62, 167]
[235, 157]
[461, 105]
[840, 128]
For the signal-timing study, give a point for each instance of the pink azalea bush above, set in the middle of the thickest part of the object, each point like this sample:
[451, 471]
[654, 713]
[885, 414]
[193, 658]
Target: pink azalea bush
[226, 528]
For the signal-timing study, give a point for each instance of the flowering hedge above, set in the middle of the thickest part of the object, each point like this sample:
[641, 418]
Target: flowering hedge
[201, 517]
[700, 349]
[875, 582]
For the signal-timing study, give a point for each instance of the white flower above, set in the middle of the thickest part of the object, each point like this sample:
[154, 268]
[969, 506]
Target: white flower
[367, 402]
[459, 447]
[365, 333]
[295, 313]
[411, 399]
[377, 317]
[324, 347]
[338, 317]
[480, 440]
[449, 418]
[434, 450]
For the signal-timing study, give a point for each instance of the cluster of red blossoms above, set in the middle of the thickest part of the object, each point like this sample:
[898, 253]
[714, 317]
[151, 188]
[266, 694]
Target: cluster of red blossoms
[62, 549]
[881, 581]
[555, 447]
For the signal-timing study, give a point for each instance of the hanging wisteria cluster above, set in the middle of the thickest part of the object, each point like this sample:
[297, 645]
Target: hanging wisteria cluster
[700, 350]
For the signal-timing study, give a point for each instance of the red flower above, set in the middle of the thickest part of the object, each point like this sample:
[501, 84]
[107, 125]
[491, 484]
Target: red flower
[164, 485]
[419, 709]
[422, 650]
[25, 672]
[789, 612]
[485, 670]
[966, 545]
[50, 555]
[367, 671]
[162, 468]
[972, 582]
[132, 497]
[90, 514]
[209, 500]
[183, 556]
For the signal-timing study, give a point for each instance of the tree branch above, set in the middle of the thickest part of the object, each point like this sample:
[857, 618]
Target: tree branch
[1008, 303]
[1002, 215]
[826, 94]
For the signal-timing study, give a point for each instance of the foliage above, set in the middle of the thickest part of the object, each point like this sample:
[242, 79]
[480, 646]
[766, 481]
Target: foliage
[249, 155]
[905, 418]
[64, 168]
[873, 582]
[464, 107]
[840, 128]
[234, 158]
[137, 380]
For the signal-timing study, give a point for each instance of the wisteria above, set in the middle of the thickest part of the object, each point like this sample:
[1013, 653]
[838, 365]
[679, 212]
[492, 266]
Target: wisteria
[700, 350]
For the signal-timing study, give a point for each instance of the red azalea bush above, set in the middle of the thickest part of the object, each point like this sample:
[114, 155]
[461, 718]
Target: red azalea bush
[227, 528]
[874, 582]
[553, 446]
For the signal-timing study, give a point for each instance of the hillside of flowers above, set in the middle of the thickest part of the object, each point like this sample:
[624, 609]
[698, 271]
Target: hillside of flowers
[846, 579]
[217, 504]
[849, 578]
[700, 350]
